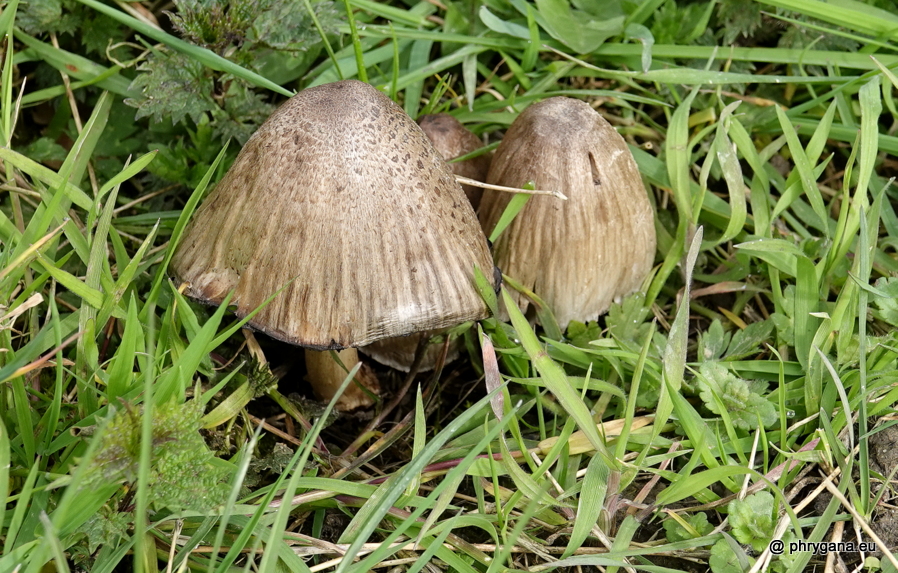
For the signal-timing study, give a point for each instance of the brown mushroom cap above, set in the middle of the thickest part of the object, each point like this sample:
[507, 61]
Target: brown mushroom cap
[340, 198]
[452, 139]
[581, 254]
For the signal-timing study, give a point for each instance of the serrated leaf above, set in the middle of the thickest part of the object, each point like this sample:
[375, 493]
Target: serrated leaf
[173, 87]
[752, 520]
[748, 340]
[721, 390]
[712, 343]
[201, 55]
[887, 305]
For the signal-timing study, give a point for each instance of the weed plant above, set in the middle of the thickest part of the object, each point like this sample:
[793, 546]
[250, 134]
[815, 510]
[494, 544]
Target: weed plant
[745, 396]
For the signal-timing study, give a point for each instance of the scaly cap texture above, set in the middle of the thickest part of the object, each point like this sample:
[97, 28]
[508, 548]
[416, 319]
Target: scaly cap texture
[339, 199]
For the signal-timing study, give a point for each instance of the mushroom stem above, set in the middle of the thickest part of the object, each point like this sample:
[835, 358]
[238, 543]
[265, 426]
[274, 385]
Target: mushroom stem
[326, 377]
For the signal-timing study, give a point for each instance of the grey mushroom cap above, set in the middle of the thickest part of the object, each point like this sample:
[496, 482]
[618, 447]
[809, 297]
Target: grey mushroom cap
[581, 254]
[452, 140]
[340, 200]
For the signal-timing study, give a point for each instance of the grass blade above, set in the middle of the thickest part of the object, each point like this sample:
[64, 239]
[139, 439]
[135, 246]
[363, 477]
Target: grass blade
[202, 55]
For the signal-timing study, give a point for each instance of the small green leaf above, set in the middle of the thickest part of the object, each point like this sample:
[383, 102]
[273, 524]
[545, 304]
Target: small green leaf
[713, 342]
[752, 520]
[742, 400]
[576, 29]
[511, 211]
[496, 24]
[643, 35]
[697, 526]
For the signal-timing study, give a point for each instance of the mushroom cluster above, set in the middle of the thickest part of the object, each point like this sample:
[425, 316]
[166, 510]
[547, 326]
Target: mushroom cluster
[342, 213]
[341, 206]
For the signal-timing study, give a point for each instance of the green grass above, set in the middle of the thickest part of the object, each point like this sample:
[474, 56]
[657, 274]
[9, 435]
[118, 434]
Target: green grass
[682, 432]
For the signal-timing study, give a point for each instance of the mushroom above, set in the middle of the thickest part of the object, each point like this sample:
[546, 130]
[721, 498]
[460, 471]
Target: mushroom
[581, 254]
[341, 203]
[452, 140]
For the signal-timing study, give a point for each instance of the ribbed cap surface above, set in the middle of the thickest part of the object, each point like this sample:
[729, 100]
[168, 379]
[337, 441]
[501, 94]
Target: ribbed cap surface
[340, 199]
[580, 254]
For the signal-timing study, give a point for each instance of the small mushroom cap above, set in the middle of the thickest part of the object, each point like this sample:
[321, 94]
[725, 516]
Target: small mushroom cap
[581, 254]
[339, 199]
[452, 139]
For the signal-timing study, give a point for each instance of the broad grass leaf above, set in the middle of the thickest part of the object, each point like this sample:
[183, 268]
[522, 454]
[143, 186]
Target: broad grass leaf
[696, 482]
[121, 368]
[431, 550]
[576, 29]
[496, 24]
[4, 470]
[418, 57]
[378, 504]
[47, 176]
[486, 290]
[511, 211]
[855, 16]
[760, 183]
[128, 172]
[174, 381]
[805, 169]
[644, 36]
[555, 377]
[590, 504]
[229, 407]
[674, 357]
[89, 295]
[779, 253]
[679, 162]
[732, 173]
[125, 277]
[807, 295]
[525, 484]
[42, 342]
[871, 109]
[413, 17]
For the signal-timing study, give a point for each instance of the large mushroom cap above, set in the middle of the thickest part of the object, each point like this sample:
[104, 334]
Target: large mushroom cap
[340, 199]
[580, 254]
[452, 140]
